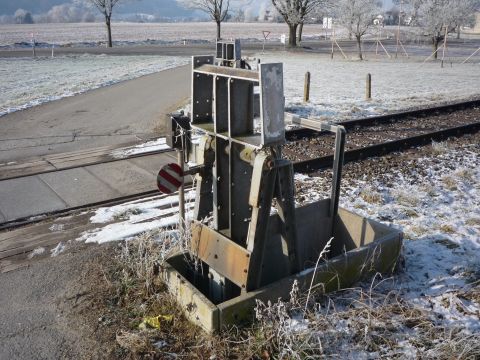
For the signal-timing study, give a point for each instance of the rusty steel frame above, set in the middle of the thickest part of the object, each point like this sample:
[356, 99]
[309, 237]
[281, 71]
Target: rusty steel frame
[243, 249]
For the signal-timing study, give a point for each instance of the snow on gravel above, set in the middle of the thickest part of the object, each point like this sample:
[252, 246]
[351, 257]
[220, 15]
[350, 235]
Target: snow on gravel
[338, 86]
[440, 216]
[28, 82]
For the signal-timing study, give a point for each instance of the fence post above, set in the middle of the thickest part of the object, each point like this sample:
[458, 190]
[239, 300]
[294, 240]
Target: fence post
[306, 87]
[368, 87]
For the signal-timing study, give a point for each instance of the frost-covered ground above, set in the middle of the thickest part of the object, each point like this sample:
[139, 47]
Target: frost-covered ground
[434, 198]
[130, 33]
[435, 201]
[28, 82]
[338, 86]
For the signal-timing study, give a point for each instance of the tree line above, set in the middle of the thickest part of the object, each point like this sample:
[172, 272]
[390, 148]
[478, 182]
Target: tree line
[435, 17]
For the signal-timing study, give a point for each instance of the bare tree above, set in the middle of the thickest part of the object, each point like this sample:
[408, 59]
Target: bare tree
[411, 9]
[23, 17]
[294, 13]
[440, 17]
[106, 8]
[216, 9]
[463, 13]
[436, 18]
[357, 17]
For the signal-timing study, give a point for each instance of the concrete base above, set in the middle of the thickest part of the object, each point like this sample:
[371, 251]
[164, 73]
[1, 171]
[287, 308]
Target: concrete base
[360, 247]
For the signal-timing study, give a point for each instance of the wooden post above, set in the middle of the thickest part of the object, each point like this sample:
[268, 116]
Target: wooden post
[398, 29]
[444, 44]
[333, 39]
[306, 87]
[368, 87]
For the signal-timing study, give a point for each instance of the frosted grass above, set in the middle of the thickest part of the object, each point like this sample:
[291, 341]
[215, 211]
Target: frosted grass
[338, 86]
[28, 82]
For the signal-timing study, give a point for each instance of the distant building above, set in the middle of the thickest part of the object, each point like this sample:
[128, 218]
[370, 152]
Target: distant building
[476, 29]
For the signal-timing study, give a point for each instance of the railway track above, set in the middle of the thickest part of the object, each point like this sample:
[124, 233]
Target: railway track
[312, 150]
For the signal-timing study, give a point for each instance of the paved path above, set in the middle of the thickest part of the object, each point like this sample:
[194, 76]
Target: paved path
[114, 115]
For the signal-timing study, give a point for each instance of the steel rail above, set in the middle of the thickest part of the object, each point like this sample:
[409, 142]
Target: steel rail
[13, 224]
[324, 162]
[295, 134]
[291, 135]
[306, 166]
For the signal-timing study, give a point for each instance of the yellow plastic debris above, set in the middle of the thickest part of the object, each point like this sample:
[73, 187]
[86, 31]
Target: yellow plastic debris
[155, 321]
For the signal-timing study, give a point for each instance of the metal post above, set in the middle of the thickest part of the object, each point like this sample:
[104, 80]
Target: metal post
[181, 189]
[306, 87]
[368, 87]
[337, 173]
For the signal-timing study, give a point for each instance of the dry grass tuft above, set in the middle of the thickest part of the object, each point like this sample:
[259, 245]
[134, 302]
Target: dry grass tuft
[133, 342]
[371, 196]
[358, 323]
[406, 198]
[447, 229]
[450, 183]
[465, 174]
[473, 222]
[439, 148]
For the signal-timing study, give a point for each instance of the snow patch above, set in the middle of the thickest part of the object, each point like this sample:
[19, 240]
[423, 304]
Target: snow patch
[57, 250]
[36, 252]
[128, 220]
[149, 146]
[441, 222]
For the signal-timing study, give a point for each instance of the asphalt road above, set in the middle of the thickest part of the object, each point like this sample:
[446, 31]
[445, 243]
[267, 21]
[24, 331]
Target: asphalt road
[128, 111]
[36, 303]
[457, 47]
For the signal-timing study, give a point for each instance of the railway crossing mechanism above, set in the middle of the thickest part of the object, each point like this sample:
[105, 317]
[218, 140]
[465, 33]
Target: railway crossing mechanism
[248, 240]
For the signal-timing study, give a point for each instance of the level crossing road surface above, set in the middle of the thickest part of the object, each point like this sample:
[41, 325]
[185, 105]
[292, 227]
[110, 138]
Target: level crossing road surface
[47, 192]
[129, 111]
[55, 147]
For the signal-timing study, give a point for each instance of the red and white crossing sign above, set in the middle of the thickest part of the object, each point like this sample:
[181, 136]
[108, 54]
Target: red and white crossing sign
[169, 178]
